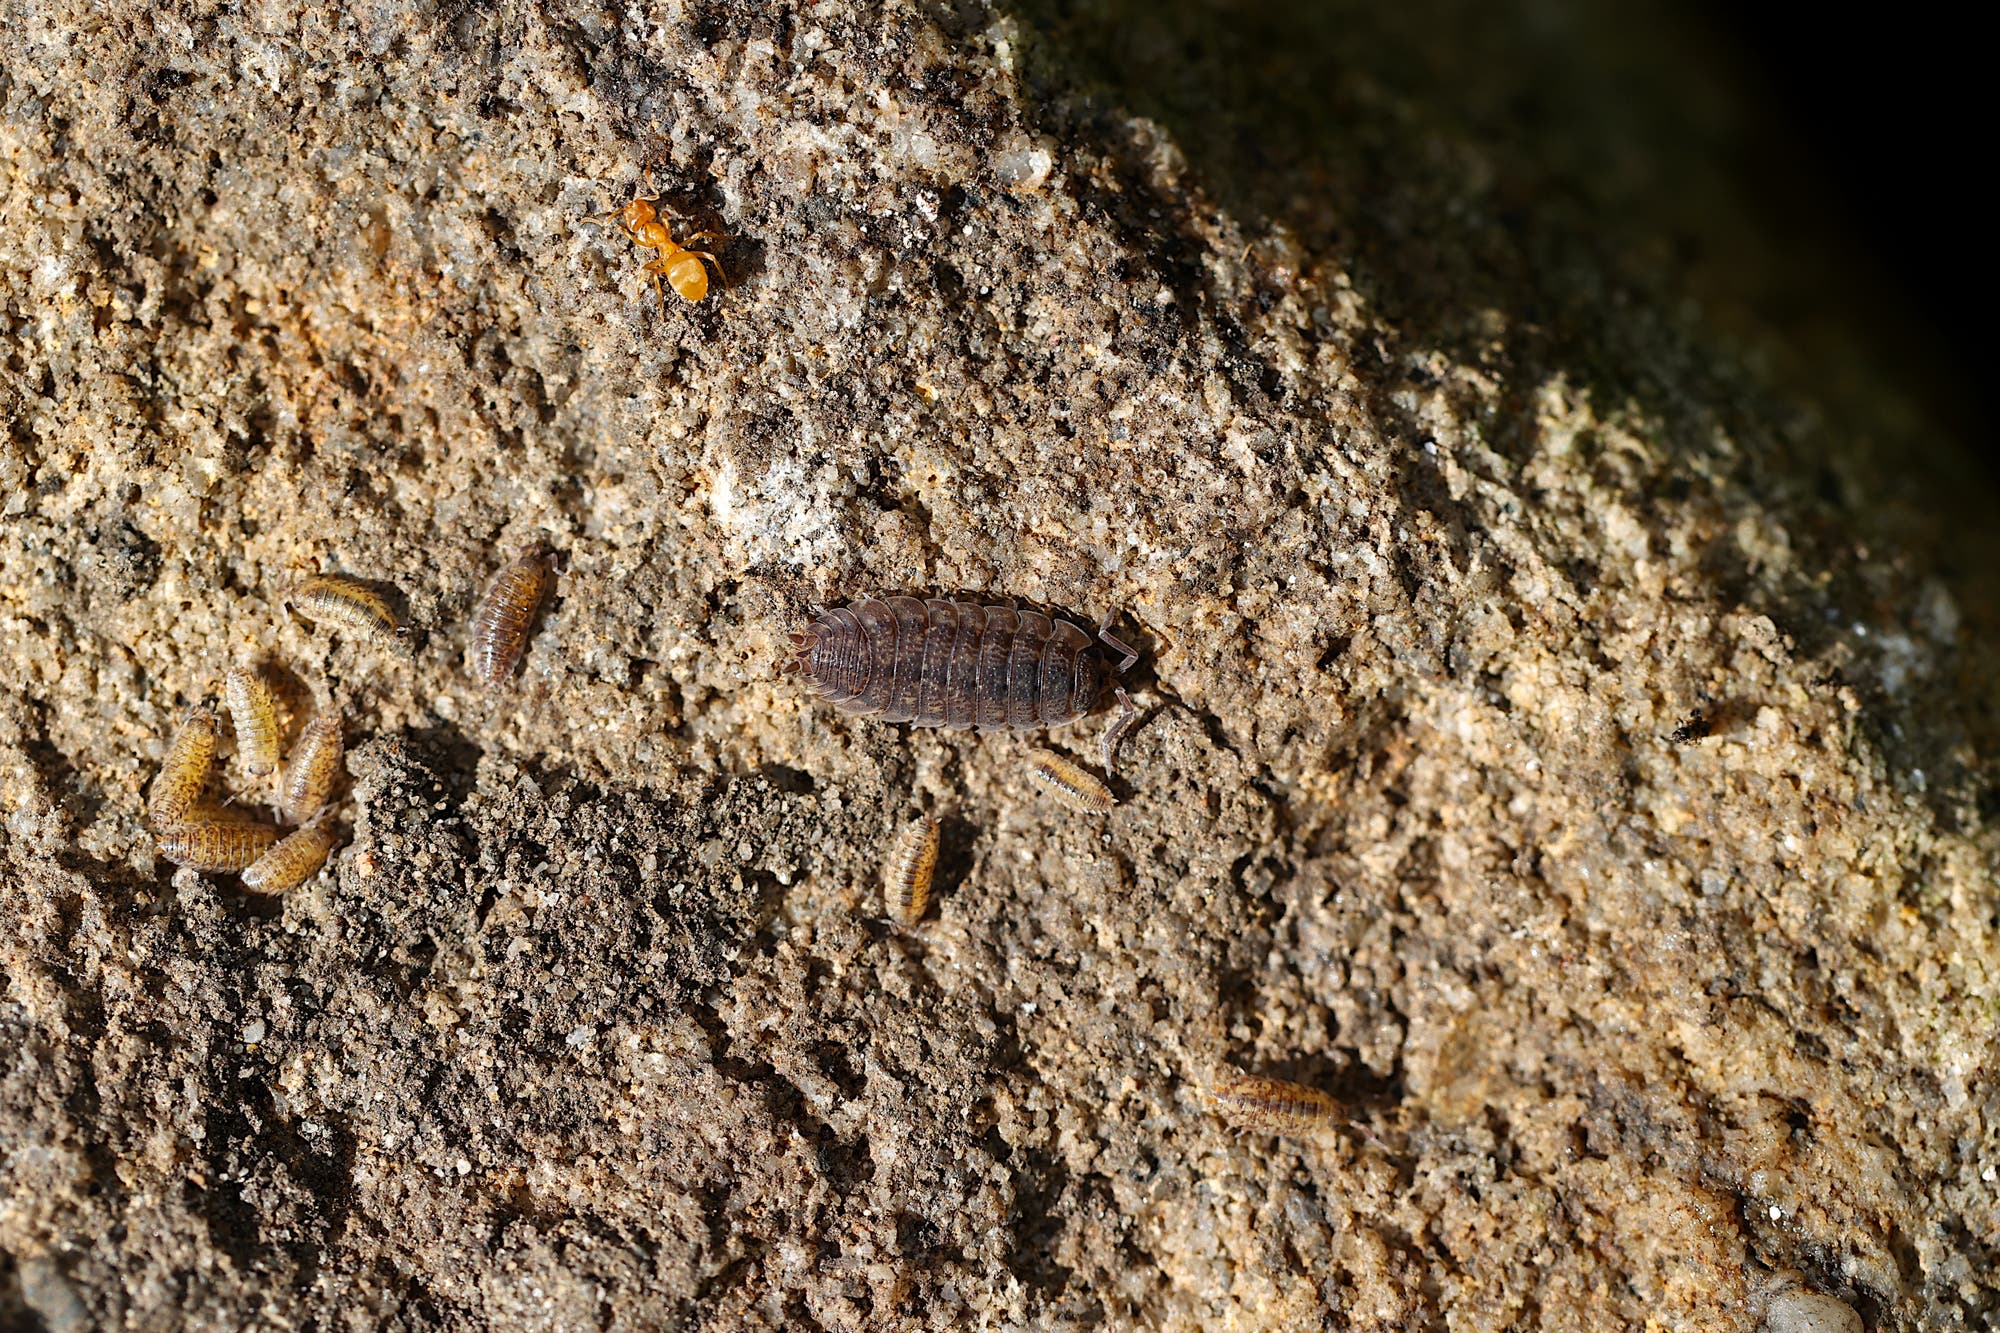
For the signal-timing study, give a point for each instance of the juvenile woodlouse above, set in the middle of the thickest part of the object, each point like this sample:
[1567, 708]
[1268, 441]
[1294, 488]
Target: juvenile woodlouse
[223, 845]
[293, 861]
[679, 265]
[254, 713]
[1072, 785]
[506, 616]
[906, 875]
[184, 772]
[311, 768]
[940, 663]
[347, 604]
[1272, 1105]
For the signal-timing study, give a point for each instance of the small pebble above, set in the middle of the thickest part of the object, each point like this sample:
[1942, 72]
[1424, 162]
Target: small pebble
[1799, 1311]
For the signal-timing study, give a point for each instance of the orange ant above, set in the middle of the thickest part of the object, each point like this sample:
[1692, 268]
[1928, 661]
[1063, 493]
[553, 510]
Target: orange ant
[640, 221]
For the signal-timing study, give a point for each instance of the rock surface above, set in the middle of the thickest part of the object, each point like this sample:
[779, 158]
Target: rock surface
[1570, 671]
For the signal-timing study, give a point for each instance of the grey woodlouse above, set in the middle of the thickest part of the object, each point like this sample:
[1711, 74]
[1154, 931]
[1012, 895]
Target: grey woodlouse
[1072, 785]
[184, 772]
[347, 604]
[254, 713]
[1272, 1105]
[506, 616]
[906, 876]
[941, 663]
[291, 862]
[216, 844]
[310, 769]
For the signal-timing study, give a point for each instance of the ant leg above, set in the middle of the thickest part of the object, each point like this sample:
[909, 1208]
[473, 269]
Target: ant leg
[1128, 717]
[1114, 643]
[655, 269]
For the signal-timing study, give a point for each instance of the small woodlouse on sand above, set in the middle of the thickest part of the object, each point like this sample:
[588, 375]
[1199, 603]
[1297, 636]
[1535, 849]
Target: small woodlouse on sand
[310, 769]
[641, 222]
[1072, 785]
[292, 861]
[216, 844]
[253, 710]
[1272, 1105]
[941, 663]
[906, 875]
[184, 772]
[347, 604]
[506, 616]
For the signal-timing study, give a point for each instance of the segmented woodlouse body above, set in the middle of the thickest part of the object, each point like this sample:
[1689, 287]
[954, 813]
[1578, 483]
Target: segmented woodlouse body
[940, 663]
[311, 768]
[906, 875]
[254, 712]
[1072, 785]
[1272, 1105]
[292, 861]
[216, 844]
[506, 616]
[347, 604]
[184, 772]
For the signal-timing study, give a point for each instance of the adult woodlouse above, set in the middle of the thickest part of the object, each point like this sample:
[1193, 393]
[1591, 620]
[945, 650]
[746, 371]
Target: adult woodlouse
[216, 844]
[254, 712]
[506, 616]
[1272, 1105]
[680, 266]
[347, 604]
[1074, 786]
[906, 875]
[940, 663]
[184, 772]
[293, 861]
[311, 768]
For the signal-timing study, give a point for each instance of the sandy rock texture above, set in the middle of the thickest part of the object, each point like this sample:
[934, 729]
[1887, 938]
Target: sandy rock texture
[1569, 662]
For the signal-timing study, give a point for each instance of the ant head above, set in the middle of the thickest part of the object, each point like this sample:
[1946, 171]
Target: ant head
[639, 214]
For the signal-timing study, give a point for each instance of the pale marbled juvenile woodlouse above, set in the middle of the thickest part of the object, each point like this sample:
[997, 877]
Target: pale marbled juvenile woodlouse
[1071, 784]
[293, 860]
[311, 768]
[506, 616]
[906, 874]
[219, 844]
[183, 773]
[347, 604]
[1272, 1105]
[253, 712]
[941, 663]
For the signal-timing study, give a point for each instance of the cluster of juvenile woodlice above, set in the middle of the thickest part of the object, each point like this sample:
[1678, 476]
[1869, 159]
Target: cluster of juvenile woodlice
[195, 830]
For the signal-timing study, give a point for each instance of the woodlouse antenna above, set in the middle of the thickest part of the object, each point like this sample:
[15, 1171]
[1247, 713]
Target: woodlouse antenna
[1117, 645]
[1128, 717]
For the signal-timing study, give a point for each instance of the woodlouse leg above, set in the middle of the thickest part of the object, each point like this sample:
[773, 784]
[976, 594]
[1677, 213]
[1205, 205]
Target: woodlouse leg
[1128, 717]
